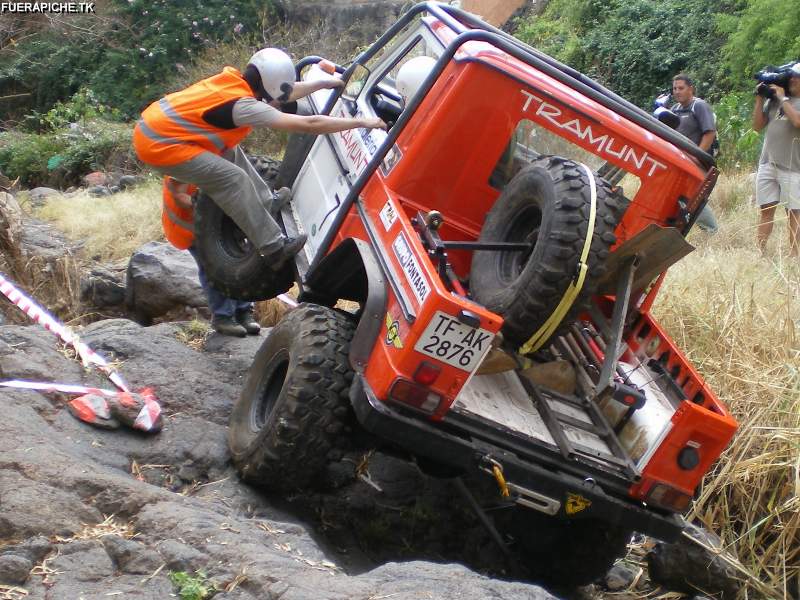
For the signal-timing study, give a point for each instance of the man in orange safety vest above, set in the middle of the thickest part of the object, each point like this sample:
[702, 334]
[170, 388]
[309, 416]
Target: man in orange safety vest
[193, 136]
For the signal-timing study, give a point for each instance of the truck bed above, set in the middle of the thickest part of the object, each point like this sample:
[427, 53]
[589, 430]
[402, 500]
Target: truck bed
[569, 425]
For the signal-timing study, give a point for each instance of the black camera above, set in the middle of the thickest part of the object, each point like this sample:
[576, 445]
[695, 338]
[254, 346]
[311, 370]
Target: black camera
[770, 75]
[662, 112]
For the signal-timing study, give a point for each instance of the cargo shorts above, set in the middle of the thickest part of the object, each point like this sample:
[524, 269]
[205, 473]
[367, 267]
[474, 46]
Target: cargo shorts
[775, 185]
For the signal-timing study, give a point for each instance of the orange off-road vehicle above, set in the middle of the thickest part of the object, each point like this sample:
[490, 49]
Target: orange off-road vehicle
[504, 242]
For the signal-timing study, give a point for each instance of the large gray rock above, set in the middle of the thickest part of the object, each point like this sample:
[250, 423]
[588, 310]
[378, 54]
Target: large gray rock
[103, 287]
[39, 195]
[685, 566]
[161, 279]
[14, 569]
[177, 492]
[10, 230]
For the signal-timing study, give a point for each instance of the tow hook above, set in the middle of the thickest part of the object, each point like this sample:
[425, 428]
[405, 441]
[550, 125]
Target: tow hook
[521, 495]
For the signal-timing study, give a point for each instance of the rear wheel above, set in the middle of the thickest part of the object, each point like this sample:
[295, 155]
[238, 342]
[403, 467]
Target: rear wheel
[546, 204]
[295, 403]
[566, 553]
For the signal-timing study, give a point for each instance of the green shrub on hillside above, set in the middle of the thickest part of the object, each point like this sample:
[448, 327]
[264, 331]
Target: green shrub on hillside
[633, 46]
[60, 158]
[125, 52]
[740, 146]
[81, 108]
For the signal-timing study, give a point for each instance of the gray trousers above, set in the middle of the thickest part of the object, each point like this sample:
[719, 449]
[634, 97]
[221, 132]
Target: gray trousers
[707, 220]
[237, 188]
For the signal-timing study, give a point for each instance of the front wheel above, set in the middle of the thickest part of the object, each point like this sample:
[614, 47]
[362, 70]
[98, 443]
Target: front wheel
[295, 402]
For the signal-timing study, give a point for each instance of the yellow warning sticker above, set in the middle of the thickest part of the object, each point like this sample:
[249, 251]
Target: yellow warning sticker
[393, 332]
[576, 503]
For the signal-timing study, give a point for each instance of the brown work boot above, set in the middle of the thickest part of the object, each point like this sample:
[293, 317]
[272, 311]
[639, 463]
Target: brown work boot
[280, 198]
[228, 326]
[246, 319]
[276, 259]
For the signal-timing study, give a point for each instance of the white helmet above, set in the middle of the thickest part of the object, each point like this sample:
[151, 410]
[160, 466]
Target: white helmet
[412, 74]
[277, 72]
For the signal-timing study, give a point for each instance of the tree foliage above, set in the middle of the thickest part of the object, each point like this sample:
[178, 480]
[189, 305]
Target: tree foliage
[766, 32]
[123, 54]
[635, 47]
[632, 46]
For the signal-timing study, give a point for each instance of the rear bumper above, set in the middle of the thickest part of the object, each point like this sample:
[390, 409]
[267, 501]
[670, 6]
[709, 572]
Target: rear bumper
[554, 492]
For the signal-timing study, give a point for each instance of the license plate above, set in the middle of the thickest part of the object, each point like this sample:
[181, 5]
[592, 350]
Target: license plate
[450, 341]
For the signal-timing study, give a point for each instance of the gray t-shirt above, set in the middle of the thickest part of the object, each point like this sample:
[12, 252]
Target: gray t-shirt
[249, 112]
[696, 119]
[782, 141]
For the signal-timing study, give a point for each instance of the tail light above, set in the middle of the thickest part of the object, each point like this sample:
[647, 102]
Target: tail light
[668, 497]
[427, 373]
[418, 396]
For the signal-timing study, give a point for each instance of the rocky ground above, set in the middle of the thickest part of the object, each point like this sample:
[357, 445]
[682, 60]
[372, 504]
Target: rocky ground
[87, 513]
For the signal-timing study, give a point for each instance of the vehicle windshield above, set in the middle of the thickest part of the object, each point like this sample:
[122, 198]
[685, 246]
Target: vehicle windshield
[530, 141]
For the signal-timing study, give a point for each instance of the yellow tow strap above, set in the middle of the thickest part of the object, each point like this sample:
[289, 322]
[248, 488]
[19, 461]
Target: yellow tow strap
[546, 330]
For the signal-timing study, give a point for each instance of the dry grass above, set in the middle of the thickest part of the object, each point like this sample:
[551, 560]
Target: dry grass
[109, 526]
[112, 227]
[736, 315]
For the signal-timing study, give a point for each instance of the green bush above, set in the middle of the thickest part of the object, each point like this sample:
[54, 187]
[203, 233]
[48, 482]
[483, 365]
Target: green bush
[634, 47]
[81, 108]
[192, 587]
[126, 52]
[740, 146]
[62, 157]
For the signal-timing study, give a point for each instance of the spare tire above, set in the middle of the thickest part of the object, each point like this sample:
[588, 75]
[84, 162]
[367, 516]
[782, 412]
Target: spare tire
[232, 264]
[547, 203]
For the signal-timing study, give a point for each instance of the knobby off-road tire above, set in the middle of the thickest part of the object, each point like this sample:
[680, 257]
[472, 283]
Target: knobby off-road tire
[546, 203]
[232, 264]
[566, 553]
[295, 403]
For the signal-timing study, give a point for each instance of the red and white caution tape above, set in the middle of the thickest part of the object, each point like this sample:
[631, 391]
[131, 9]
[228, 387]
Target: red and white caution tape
[56, 387]
[46, 320]
[288, 300]
[140, 410]
[107, 408]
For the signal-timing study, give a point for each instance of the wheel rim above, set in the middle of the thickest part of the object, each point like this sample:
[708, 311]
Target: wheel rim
[524, 228]
[269, 391]
[233, 240]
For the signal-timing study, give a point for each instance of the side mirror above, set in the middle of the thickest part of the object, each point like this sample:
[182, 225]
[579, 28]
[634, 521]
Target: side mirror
[356, 83]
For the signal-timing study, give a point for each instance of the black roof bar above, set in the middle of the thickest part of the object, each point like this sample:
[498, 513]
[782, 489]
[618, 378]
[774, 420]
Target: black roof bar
[484, 33]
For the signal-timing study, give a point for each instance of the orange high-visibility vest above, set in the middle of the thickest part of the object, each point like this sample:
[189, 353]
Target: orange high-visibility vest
[178, 222]
[172, 130]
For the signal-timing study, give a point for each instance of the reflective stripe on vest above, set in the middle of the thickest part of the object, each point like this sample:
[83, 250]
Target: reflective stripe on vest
[173, 130]
[171, 113]
[187, 225]
[178, 229]
[155, 137]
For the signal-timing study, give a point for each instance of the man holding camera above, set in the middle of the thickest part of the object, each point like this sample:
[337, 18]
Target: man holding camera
[697, 124]
[777, 108]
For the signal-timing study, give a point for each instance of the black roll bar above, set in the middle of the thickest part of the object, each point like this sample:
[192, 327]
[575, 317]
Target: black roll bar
[483, 32]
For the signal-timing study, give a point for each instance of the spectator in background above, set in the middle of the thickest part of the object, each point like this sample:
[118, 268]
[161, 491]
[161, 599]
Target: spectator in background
[697, 124]
[778, 179]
